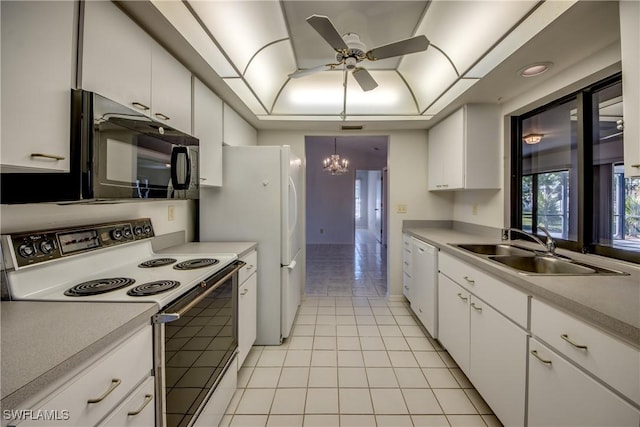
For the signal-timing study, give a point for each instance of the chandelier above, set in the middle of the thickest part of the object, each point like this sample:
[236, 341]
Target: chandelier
[334, 164]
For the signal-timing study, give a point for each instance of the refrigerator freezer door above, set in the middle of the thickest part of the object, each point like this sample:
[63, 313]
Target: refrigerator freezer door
[291, 182]
[291, 293]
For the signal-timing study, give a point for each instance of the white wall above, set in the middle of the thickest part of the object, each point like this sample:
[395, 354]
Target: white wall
[493, 206]
[46, 215]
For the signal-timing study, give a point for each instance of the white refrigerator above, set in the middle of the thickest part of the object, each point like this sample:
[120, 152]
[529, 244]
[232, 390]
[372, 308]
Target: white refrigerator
[260, 201]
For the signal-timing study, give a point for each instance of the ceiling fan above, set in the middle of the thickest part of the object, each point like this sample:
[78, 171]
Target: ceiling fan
[351, 51]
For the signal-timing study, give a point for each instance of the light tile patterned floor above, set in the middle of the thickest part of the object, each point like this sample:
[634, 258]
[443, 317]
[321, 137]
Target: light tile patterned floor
[353, 359]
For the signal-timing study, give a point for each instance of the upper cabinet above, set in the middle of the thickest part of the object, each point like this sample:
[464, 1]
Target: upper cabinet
[38, 72]
[207, 127]
[630, 51]
[122, 62]
[236, 130]
[464, 150]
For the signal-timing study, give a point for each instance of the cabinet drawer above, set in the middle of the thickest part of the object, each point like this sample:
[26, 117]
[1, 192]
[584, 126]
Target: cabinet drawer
[119, 371]
[507, 300]
[613, 361]
[252, 266]
[137, 411]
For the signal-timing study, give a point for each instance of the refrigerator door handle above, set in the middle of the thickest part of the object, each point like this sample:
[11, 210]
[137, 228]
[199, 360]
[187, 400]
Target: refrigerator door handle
[291, 265]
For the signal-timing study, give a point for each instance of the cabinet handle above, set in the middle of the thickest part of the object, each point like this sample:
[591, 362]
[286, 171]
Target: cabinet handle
[114, 383]
[461, 297]
[140, 106]
[469, 280]
[636, 166]
[46, 156]
[147, 398]
[535, 354]
[250, 267]
[203, 179]
[162, 116]
[566, 338]
[244, 292]
[475, 307]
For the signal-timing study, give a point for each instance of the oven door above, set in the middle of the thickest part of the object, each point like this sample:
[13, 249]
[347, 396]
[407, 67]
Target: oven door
[196, 341]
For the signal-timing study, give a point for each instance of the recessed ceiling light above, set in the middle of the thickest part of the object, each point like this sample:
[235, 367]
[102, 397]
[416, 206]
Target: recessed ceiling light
[535, 69]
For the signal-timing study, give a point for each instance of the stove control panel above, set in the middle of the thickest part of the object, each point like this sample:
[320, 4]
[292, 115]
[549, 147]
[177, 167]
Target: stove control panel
[39, 246]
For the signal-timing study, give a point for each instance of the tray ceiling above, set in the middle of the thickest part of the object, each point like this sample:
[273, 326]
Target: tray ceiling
[254, 46]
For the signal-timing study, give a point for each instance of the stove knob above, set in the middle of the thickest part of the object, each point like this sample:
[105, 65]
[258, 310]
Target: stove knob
[126, 233]
[138, 230]
[27, 250]
[116, 234]
[47, 246]
[147, 229]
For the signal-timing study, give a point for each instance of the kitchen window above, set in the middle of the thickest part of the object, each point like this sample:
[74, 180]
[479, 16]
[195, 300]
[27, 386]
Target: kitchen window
[567, 173]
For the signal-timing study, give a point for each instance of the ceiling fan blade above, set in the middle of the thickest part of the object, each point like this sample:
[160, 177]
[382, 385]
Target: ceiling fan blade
[325, 28]
[364, 79]
[313, 70]
[402, 47]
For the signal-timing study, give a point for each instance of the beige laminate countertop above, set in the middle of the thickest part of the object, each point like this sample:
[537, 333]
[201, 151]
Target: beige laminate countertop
[611, 303]
[42, 342]
[238, 248]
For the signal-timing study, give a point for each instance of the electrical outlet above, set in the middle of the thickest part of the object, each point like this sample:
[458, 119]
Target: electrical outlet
[401, 209]
[474, 209]
[171, 213]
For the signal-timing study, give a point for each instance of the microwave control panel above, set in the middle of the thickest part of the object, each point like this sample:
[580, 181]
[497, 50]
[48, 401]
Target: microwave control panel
[40, 246]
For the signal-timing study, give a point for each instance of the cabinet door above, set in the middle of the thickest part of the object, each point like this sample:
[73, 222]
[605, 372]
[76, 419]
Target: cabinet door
[138, 410]
[446, 153]
[170, 90]
[116, 56]
[247, 316]
[453, 320]
[425, 276]
[498, 362]
[630, 52]
[38, 72]
[561, 395]
[207, 127]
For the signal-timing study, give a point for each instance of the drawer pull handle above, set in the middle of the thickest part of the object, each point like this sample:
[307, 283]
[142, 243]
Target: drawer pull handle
[250, 267]
[567, 339]
[535, 354]
[636, 166]
[461, 297]
[46, 156]
[475, 307]
[147, 398]
[114, 383]
[162, 116]
[139, 106]
[468, 279]
[244, 291]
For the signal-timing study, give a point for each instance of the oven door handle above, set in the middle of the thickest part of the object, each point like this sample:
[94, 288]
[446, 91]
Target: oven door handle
[172, 317]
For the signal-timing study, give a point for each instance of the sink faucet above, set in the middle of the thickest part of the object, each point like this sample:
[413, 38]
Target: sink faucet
[549, 245]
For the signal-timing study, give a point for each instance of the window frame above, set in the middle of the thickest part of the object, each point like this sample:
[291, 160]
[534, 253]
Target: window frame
[585, 135]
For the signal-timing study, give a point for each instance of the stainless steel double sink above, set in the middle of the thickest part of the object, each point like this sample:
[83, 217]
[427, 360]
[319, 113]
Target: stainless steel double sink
[529, 262]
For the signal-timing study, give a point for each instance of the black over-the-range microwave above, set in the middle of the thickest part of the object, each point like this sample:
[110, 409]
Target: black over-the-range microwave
[116, 153]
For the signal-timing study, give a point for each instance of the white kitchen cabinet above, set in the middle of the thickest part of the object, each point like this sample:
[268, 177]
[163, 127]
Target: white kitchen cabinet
[116, 56]
[236, 130]
[247, 305]
[630, 53]
[424, 297]
[562, 395]
[453, 320]
[606, 358]
[207, 127]
[406, 266]
[38, 72]
[96, 392]
[498, 362]
[464, 150]
[136, 411]
[122, 62]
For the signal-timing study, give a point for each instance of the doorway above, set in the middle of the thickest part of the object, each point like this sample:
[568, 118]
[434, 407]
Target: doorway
[369, 193]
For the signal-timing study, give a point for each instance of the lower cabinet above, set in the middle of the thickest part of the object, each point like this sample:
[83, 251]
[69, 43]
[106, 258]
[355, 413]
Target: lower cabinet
[562, 395]
[453, 312]
[247, 305]
[498, 362]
